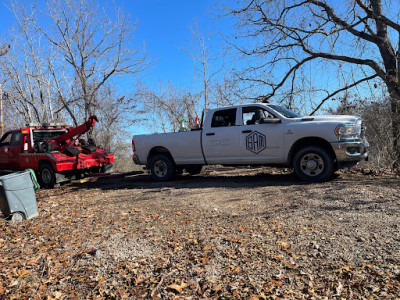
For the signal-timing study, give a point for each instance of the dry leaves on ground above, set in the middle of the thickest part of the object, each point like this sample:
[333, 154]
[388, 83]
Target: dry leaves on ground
[229, 233]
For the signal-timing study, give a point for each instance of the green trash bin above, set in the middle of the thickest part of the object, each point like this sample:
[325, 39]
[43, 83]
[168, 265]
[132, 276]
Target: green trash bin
[17, 196]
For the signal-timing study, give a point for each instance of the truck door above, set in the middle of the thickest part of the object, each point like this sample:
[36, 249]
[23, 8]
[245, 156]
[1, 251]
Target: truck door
[220, 140]
[4, 148]
[14, 149]
[261, 136]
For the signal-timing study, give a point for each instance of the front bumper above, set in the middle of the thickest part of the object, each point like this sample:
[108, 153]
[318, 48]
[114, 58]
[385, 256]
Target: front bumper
[351, 151]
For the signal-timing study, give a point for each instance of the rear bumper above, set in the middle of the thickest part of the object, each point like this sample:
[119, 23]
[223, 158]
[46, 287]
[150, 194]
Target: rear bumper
[349, 153]
[136, 159]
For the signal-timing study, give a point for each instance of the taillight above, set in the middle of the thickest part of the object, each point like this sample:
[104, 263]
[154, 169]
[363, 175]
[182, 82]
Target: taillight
[133, 146]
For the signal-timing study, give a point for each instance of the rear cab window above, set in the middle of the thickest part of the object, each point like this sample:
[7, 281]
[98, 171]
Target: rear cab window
[40, 135]
[224, 118]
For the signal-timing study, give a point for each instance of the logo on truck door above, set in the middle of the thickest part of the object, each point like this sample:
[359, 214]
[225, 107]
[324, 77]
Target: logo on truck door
[256, 142]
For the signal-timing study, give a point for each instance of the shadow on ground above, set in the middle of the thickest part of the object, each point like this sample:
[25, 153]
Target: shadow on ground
[225, 180]
[236, 178]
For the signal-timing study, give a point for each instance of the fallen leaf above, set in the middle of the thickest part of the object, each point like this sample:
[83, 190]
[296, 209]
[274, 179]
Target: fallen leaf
[138, 279]
[284, 246]
[177, 287]
[217, 288]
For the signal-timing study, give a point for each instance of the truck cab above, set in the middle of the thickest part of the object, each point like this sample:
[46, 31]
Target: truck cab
[244, 135]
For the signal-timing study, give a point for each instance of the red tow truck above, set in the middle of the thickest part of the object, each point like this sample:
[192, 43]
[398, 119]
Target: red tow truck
[55, 151]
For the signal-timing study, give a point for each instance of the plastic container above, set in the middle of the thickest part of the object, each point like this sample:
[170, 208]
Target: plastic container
[17, 196]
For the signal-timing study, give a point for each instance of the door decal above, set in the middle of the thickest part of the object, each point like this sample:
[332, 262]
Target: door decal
[256, 142]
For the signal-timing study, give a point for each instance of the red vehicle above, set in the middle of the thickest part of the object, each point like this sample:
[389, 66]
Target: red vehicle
[54, 151]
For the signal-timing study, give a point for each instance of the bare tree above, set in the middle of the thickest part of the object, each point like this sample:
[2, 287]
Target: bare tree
[359, 38]
[225, 92]
[375, 112]
[4, 49]
[207, 63]
[114, 113]
[164, 108]
[84, 49]
[26, 75]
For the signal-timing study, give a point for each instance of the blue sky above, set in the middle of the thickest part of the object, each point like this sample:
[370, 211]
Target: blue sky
[163, 30]
[164, 27]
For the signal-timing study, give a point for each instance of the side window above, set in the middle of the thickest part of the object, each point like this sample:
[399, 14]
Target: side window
[224, 118]
[254, 115]
[16, 139]
[5, 140]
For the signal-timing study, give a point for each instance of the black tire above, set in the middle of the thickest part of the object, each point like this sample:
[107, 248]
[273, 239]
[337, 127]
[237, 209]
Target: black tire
[162, 167]
[313, 164]
[194, 170]
[46, 176]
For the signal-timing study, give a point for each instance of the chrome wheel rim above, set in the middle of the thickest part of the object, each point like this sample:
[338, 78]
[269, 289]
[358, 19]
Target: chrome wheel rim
[160, 168]
[312, 164]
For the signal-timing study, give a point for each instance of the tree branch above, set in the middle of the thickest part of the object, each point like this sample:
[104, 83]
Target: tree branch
[341, 90]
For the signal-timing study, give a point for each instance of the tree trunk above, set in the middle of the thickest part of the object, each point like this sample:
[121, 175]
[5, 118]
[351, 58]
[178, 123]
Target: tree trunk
[395, 112]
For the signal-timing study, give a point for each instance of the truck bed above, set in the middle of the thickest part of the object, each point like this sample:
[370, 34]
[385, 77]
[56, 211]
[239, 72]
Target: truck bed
[185, 146]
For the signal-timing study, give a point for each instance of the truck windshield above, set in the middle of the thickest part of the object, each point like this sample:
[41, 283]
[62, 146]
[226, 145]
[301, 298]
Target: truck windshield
[285, 112]
[42, 135]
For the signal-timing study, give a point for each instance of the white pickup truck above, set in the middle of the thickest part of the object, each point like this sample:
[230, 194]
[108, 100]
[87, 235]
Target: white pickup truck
[256, 134]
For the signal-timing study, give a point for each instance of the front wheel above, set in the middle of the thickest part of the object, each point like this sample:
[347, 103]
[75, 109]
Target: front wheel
[46, 176]
[313, 164]
[162, 167]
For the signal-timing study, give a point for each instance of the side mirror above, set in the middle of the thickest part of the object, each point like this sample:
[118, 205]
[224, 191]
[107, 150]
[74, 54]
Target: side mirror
[270, 120]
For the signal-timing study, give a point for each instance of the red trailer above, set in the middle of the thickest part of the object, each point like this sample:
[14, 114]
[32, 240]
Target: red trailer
[54, 151]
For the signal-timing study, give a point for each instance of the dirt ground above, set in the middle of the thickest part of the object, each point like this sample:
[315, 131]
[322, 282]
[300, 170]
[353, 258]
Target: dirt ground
[248, 233]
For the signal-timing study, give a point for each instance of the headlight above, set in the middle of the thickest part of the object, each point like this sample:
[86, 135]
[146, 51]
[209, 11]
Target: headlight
[348, 131]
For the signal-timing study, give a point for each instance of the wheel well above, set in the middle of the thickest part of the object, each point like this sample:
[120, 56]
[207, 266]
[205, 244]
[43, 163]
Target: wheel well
[43, 162]
[310, 141]
[155, 151]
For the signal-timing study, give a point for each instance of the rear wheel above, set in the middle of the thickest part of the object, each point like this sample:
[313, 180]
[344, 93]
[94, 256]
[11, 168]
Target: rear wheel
[46, 176]
[313, 164]
[162, 167]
